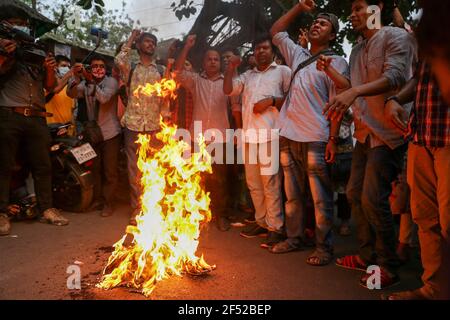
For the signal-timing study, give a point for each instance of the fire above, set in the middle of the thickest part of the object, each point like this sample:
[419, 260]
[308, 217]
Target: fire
[174, 208]
[164, 89]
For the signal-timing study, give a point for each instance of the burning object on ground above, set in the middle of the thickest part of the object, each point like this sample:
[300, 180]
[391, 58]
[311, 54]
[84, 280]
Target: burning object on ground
[174, 208]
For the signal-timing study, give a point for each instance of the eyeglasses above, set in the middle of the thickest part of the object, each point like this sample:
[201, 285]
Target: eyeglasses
[98, 66]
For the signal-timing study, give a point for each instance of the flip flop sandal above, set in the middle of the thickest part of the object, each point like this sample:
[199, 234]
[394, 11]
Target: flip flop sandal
[318, 259]
[351, 263]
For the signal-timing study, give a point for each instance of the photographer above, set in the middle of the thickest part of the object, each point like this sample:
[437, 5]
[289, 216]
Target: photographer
[57, 101]
[101, 95]
[22, 122]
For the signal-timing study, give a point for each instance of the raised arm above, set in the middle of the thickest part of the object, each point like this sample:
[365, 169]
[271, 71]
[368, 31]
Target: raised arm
[235, 61]
[123, 59]
[284, 21]
[190, 43]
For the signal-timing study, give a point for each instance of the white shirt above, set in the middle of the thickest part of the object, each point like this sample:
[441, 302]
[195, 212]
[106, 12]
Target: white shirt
[301, 117]
[256, 85]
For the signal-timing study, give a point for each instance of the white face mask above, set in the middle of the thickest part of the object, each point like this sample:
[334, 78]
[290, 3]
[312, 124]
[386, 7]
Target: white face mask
[24, 29]
[63, 70]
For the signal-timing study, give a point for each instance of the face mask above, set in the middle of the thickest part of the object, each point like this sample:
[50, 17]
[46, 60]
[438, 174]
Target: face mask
[99, 73]
[24, 29]
[63, 70]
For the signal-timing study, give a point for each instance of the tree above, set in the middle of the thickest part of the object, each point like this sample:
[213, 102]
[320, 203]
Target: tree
[116, 22]
[236, 23]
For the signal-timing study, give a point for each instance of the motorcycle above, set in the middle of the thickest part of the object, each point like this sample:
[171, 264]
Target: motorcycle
[72, 182]
[72, 159]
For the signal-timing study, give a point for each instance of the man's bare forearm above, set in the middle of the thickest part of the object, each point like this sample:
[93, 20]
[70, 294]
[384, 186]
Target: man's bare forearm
[285, 21]
[406, 94]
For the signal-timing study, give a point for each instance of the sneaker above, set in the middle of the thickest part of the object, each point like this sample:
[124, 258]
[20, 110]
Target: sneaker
[54, 217]
[272, 239]
[253, 231]
[285, 247]
[5, 225]
[223, 224]
[107, 211]
[387, 279]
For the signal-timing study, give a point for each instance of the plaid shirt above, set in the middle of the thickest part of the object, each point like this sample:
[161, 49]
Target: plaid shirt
[431, 114]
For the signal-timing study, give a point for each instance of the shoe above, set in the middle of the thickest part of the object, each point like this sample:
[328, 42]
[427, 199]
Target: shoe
[272, 239]
[5, 225]
[387, 279]
[253, 231]
[223, 224]
[107, 211]
[285, 247]
[133, 216]
[54, 217]
[344, 229]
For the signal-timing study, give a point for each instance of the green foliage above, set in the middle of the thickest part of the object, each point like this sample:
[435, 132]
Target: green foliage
[275, 8]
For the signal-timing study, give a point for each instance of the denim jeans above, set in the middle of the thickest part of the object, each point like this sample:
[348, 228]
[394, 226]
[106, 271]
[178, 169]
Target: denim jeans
[304, 162]
[31, 134]
[368, 191]
[265, 188]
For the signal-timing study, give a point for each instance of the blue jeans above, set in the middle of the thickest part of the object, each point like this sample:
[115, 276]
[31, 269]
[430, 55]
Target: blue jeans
[304, 162]
[368, 190]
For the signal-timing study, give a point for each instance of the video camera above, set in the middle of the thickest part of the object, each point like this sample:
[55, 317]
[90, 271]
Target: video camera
[27, 50]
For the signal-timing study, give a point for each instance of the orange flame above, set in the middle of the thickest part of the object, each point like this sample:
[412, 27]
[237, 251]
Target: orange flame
[164, 89]
[174, 206]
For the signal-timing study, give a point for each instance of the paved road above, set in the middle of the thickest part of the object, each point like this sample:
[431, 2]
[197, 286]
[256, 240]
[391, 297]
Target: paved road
[34, 261]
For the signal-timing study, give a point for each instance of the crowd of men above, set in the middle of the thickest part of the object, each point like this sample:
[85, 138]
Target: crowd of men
[298, 95]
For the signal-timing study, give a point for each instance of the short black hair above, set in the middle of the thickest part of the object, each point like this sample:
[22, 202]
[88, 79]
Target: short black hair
[59, 58]
[433, 30]
[147, 35]
[97, 57]
[387, 12]
[263, 37]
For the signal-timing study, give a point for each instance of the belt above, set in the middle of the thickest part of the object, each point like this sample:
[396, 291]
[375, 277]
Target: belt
[28, 112]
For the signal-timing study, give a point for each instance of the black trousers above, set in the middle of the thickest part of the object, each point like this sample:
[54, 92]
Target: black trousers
[30, 135]
[105, 169]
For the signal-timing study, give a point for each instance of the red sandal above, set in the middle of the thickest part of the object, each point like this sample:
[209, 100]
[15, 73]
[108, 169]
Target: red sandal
[351, 262]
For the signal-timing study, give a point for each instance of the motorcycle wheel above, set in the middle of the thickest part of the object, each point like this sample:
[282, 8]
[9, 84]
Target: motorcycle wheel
[73, 187]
